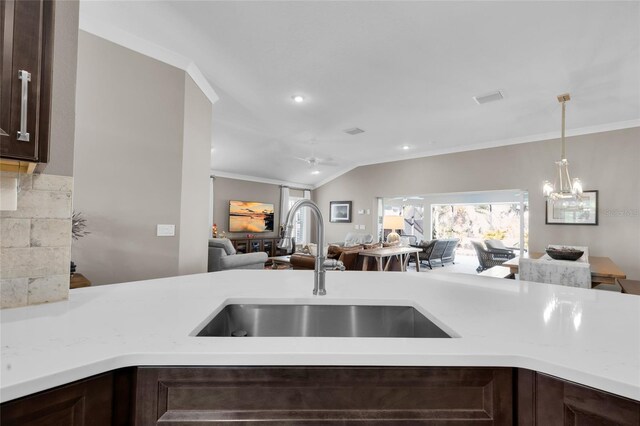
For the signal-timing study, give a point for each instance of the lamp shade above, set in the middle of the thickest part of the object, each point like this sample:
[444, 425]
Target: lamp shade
[393, 222]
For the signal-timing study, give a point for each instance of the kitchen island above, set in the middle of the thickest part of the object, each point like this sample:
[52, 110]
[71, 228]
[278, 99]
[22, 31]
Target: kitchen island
[586, 337]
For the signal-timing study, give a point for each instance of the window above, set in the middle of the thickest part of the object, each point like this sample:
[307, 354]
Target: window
[299, 221]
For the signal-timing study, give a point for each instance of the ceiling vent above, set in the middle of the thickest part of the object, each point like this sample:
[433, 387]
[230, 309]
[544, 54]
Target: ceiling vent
[490, 97]
[354, 131]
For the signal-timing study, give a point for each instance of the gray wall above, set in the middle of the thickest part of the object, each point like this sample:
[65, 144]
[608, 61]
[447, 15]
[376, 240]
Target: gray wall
[63, 102]
[225, 190]
[606, 161]
[196, 154]
[129, 163]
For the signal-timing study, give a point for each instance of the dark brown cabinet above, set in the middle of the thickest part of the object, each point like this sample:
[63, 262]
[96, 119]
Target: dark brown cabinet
[549, 401]
[146, 396]
[26, 40]
[327, 395]
[255, 245]
[87, 402]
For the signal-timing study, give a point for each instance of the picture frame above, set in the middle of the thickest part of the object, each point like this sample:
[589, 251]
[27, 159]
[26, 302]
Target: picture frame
[340, 211]
[556, 214]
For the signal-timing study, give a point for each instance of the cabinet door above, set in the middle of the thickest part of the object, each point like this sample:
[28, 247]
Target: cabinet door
[27, 43]
[549, 401]
[88, 402]
[323, 395]
[6, 52]
[242, 246]
[255, 246]
[267, 247]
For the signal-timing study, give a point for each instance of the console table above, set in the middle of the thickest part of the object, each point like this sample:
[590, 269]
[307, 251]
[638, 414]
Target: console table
[385, 253]
[256, 245]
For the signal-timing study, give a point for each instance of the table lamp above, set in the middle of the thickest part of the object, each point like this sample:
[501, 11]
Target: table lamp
[393, 223]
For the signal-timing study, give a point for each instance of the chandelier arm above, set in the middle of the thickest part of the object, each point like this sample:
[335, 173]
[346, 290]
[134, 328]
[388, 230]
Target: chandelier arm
[564, 108]
[559, 178]
[569, 183]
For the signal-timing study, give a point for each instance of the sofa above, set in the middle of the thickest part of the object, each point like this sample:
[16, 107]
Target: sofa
[353, 239]
[349, 256]
[440, 250]
[223, 256]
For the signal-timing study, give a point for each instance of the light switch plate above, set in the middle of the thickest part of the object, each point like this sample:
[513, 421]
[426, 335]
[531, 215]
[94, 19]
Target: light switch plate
[368, 211]
[166, 230]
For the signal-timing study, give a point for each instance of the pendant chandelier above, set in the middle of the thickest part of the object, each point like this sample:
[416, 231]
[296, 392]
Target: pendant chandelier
[565, 190]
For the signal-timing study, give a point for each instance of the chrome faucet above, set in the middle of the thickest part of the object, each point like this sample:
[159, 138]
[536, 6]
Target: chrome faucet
[285, 242]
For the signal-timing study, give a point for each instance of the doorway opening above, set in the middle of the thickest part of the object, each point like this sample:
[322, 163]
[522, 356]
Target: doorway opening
[469, 216]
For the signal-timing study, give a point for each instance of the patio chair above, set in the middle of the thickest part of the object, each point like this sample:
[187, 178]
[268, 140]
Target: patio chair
[449, 254]
[436, 251]
[489, 258]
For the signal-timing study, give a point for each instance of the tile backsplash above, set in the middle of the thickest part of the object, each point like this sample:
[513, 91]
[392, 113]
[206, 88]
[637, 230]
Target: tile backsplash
[35, 241]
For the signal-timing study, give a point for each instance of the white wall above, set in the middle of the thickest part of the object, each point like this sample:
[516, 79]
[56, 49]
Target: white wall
[608, 162]
[194, 202]
[63, 89]
[136, 165]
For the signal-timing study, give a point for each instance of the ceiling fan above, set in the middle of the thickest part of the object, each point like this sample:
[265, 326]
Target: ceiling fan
[314, 161]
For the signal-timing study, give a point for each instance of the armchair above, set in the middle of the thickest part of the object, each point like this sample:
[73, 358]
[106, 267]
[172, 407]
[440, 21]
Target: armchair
[489, 258]
[223, 256]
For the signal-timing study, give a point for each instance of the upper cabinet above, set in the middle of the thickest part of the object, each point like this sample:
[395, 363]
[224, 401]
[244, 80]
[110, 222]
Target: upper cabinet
[26, 43]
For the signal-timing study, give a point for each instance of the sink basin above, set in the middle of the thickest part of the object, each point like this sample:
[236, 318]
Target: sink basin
[249, 320]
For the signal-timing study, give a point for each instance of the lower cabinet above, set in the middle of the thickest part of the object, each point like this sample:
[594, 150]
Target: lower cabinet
[87, 402]
[549, 401]
[330, 395]
[173, 396]
[102, 400]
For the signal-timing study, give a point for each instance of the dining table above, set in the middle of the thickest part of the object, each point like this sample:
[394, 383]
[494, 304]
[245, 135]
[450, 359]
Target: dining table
[603, 269]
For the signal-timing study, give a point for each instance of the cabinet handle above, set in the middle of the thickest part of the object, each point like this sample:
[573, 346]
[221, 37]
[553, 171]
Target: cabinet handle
[25, 76]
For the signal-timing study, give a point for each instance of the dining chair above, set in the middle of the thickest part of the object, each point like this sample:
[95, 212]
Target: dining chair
[561, 272]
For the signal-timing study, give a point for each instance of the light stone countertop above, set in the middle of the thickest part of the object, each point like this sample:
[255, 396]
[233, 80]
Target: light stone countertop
[586, 336]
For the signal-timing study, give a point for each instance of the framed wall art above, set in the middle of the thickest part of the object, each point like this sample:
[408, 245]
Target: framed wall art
[570, 213]
[340, 211]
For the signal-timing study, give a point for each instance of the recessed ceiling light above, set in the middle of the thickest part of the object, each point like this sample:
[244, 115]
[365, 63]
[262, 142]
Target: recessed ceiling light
[298, 99]
[405, 147]
[315, 172]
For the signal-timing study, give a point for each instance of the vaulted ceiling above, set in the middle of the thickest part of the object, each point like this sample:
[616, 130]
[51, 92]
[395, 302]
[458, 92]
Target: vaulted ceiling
[405, 72]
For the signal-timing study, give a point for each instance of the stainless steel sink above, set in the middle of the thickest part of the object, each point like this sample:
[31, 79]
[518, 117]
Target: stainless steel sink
[244, 320]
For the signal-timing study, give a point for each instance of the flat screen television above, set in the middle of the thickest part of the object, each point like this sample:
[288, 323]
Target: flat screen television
[250, 216]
